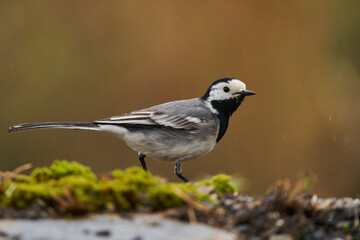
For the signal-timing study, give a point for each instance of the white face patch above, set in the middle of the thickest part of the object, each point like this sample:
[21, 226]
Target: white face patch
[226, 90]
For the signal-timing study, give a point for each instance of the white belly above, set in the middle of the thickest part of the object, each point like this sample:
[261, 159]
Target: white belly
[165, 145]
[174, 149]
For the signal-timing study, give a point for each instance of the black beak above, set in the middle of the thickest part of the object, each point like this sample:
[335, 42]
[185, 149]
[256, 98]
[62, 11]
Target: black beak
[246, 93]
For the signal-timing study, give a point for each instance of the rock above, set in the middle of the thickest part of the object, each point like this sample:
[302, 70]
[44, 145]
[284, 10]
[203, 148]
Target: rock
[110, 227]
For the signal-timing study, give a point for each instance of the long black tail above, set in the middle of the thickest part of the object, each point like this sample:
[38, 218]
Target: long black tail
[68, 125]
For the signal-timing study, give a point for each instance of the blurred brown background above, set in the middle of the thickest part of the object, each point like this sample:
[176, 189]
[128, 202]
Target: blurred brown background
[87, 60]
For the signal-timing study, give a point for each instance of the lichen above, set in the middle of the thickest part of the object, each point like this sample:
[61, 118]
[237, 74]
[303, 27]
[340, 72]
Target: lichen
[71, 188]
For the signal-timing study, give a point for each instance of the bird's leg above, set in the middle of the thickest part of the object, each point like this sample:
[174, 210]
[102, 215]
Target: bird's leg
[178, 171]
[142, 161]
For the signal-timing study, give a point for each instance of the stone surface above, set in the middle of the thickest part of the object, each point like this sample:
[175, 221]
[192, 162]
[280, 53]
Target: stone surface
[109, 227]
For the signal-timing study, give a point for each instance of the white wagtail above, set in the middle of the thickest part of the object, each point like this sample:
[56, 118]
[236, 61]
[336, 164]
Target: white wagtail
[173, 131]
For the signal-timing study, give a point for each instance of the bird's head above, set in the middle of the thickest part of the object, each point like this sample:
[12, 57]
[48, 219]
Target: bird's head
[225, 95]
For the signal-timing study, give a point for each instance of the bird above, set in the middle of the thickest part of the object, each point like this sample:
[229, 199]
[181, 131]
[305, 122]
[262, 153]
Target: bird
[173, 131]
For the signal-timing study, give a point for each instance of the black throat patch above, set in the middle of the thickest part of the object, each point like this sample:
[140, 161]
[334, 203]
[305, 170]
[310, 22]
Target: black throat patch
[225, 109]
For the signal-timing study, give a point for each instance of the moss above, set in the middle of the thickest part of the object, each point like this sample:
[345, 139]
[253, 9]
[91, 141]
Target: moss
[117, 173]
[42, 174]
[221, 183]
[20, 178]
[60, 169]
[165, 195]
[23, 195]
[79, 187]
[137, 178]
[346, 227]
[72, 188]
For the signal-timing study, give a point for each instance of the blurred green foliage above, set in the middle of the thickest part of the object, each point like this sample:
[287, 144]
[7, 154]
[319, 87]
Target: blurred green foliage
[71, 188]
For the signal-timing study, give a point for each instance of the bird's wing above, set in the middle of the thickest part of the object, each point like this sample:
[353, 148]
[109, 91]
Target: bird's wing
[153, 118]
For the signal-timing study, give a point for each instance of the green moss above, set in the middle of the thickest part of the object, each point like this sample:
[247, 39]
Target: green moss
[165, 195]
[60, 169]
[42, 174]
[221, 183]
[70, 188]
[21, 195]
[23, 179]
[117, 173]
[346, 227]
[137, 178]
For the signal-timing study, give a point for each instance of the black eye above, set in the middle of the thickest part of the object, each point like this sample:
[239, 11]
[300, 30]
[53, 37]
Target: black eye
[226, 89]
